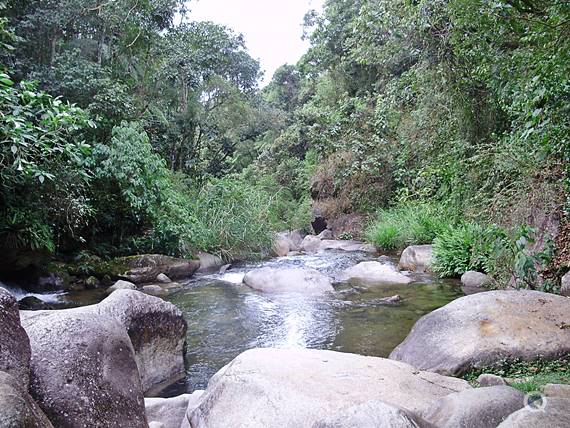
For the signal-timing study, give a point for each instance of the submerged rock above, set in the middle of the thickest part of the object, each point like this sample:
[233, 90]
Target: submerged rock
[278, 388]
[370, 274]
[17, 408]
[15, 351]
[83, 369]
[475, 408]
[481, 329]
[32, 303]
[285, 280]
[416, 258]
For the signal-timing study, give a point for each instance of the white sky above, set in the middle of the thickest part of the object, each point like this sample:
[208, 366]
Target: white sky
[272, 28]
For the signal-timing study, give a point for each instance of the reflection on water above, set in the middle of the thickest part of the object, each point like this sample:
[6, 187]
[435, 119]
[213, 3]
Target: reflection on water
[226, 318]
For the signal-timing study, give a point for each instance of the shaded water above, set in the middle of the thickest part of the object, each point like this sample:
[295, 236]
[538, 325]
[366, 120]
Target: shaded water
[225, 318]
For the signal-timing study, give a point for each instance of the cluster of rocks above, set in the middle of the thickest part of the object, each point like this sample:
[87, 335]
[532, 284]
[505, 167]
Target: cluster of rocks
[89, 366]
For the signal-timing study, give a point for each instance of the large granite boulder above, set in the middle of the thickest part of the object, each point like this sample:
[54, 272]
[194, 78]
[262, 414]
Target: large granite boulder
[554, 414]
[17, 408]
[266, 388]
[83, 369]
[288, 280]
[475, 408]
[157, 330]
[371, 414]
[482, 329]
[416, 258]
[146, 268]
[372, 274]
[15, 350]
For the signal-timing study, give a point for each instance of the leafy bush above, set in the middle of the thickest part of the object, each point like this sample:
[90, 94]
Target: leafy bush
[408, 223]
[459, 249]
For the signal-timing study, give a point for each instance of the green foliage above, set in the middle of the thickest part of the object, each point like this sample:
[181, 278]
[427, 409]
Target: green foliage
[407, 224]
[459, 249]
[527, 376]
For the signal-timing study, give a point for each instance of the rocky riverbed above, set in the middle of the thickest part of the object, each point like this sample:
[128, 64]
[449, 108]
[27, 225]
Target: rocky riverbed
[256, 345]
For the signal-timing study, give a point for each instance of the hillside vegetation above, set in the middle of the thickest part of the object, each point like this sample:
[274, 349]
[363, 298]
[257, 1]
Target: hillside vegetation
[439, 121]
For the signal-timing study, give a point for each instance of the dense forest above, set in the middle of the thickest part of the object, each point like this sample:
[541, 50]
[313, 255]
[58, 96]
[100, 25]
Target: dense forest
[406, 122]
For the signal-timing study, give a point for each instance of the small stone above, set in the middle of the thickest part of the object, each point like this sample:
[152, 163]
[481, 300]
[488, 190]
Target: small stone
[487, 379]
[163, 278]
[556, 390]
[154, 290]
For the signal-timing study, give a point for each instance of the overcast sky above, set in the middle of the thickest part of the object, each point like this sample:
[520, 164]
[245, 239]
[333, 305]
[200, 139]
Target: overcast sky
[272, 28]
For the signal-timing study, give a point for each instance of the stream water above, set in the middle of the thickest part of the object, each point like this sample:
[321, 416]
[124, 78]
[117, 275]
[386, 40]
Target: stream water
[226, 317]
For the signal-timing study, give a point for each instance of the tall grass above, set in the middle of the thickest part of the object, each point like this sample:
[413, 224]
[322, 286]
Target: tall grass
[408, 224]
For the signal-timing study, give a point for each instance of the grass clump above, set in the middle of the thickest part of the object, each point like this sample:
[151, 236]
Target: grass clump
[527, 376]
[407, 224]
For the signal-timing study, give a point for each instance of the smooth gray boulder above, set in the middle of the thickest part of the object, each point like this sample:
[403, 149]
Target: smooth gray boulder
[286, 242]
[169, 412]
[288, 280]
[554, 414]
[371, 414]
[479, 330]
[163, 279]
[209, 262]
[154, 290]
[475, 408]
[416, 258]
[473, 279]
[121, 285]
[157, 330]
[372, 274]
[486, 379]
[266, 388]
[15, 352]
[565, 285]
[83, 369]
[17, 408]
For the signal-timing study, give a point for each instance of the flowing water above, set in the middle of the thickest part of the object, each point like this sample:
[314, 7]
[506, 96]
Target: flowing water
[226, 317]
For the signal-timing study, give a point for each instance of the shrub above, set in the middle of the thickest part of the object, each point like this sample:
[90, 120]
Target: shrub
[408, 223]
